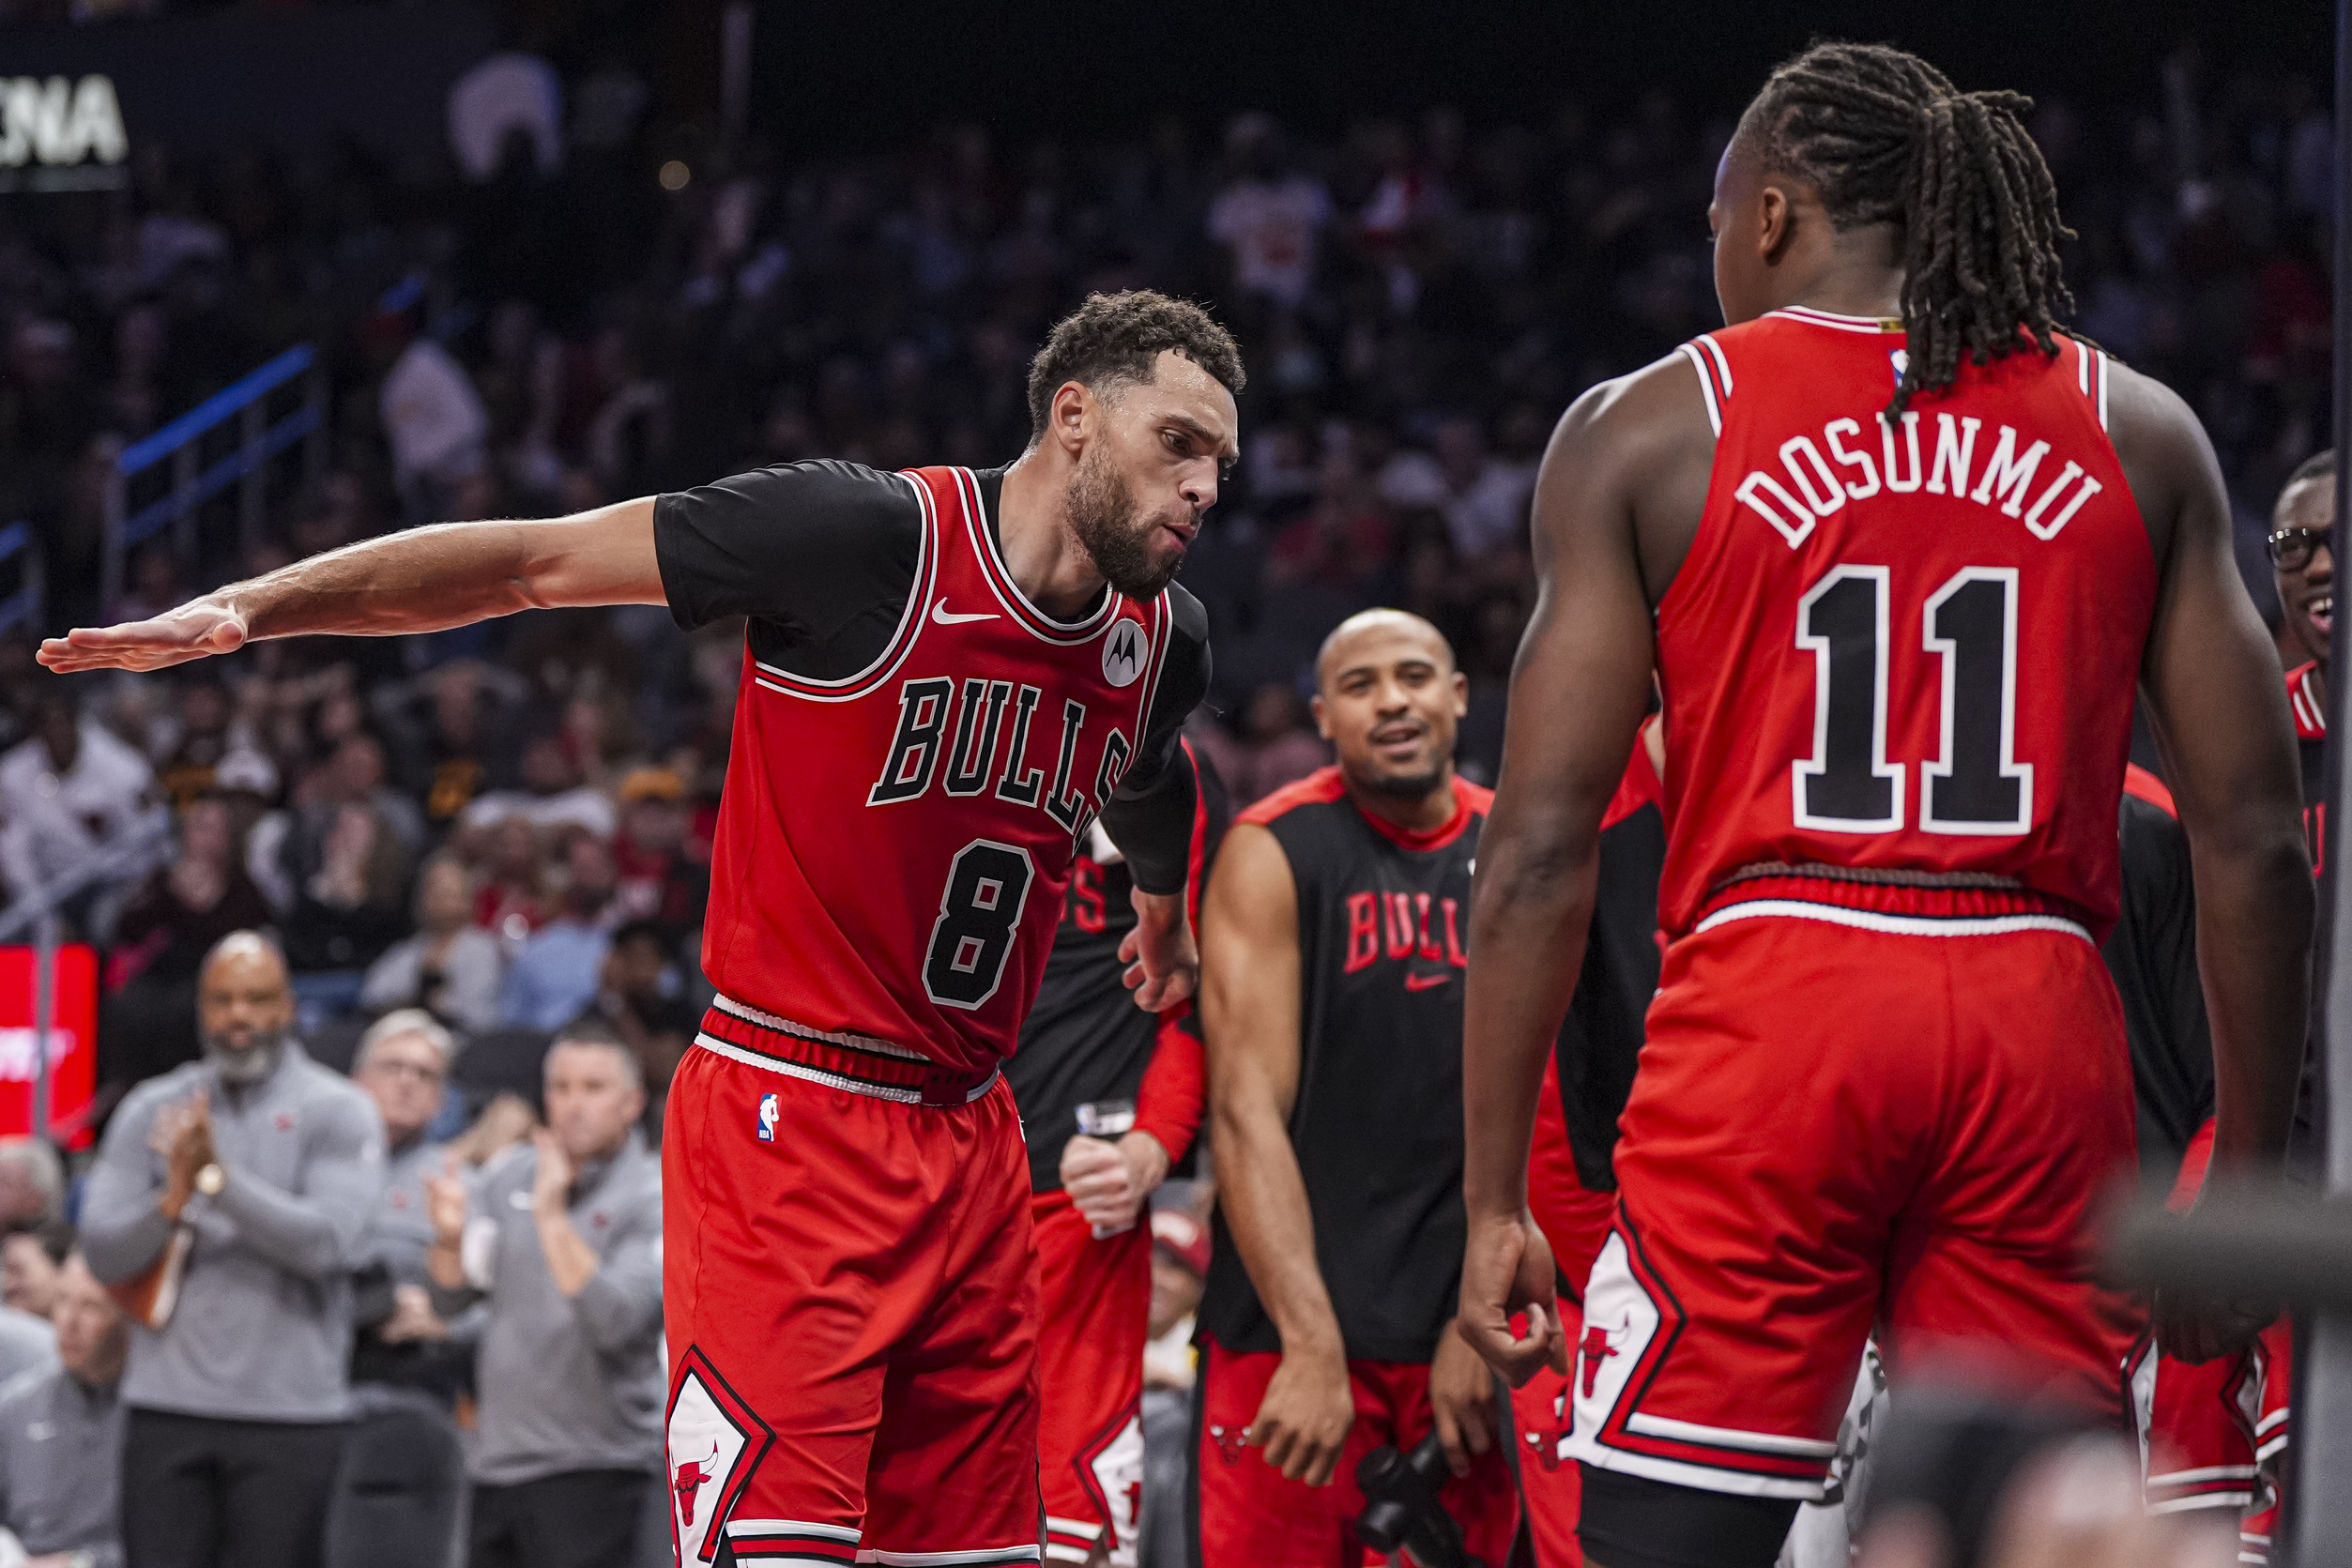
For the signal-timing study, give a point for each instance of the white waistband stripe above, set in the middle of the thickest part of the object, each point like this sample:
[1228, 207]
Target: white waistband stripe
[1725, 1437]
[831, 1080]
[1898, 926]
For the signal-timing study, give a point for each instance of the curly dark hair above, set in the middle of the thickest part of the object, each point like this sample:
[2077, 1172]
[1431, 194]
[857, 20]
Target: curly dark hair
[1117, 337]
[1885, 138]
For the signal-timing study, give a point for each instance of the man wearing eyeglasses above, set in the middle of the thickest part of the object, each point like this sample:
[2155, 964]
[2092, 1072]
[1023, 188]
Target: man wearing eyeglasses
[403, 1062]
[2304, 560]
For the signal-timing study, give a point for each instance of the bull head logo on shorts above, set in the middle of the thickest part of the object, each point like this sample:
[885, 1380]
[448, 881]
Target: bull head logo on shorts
[688, 1480]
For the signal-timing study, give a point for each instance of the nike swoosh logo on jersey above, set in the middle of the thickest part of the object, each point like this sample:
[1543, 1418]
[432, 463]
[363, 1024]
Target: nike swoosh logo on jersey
[939, 615]
[1424, 982]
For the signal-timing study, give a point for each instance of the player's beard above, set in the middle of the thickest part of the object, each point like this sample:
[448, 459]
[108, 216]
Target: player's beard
[1406, 786]
[250, 1065]
[1112, 529]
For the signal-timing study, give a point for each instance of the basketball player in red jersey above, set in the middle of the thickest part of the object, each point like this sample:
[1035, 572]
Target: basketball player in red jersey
[1900, 552]
[1332, 1007]
[948, 676]
[1109, 1100]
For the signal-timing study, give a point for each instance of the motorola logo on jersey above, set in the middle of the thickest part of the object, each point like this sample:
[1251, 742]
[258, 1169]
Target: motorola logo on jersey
[1125, 651]
[1816, 488]
[960, 735]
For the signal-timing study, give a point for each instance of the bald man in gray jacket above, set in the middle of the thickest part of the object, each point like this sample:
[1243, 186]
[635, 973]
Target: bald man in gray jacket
[270, 1164]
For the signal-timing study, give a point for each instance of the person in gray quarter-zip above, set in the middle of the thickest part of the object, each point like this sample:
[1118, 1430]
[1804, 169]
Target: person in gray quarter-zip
[270, 1164]
[562, 1239]
[61, 1435]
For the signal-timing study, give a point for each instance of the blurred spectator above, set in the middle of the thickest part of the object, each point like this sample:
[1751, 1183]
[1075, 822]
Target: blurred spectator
[209, 735]
[1484, 499]
[30, 1257]
[509, 94]
[515, 900]
[554, 794]
[173, 918]
[451, 967]
[61, 1438]
[352, 908]
[1270, 217]
[354, 776]
[563, 1243]
[432, 420]
[236, 1401]
[404, 1063]
[32, 1181]
[1275, 746]
[1180, 1265]
[561, 968]
[658, 880]
[641, 1000]
[66, 792]
[444, 753]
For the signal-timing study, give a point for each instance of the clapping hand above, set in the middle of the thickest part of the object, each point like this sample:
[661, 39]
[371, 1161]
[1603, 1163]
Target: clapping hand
[182, 1134]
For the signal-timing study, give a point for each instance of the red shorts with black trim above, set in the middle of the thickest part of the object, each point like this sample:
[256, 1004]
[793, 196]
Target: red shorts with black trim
[2215, 1433]
[1891, 1104]
[1094, 1310]
[850, 1304]
[1251, 1517]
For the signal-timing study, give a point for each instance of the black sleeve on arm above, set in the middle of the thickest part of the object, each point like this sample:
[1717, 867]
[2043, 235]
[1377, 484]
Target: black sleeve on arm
[1149, 814]
[805, 545]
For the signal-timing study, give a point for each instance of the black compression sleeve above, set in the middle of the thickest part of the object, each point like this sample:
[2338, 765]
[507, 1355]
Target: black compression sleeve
[1149, 814]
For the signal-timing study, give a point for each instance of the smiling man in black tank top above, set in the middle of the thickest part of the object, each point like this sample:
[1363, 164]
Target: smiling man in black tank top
[1333, 932]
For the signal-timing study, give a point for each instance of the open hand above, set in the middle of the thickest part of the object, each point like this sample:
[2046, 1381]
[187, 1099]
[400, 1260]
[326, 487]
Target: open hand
[551, 1181]
[1163, 961]
[198, 629]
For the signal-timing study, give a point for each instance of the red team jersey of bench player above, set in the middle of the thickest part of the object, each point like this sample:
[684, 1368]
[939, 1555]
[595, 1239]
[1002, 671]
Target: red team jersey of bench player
[892, 847]
[1905, 649]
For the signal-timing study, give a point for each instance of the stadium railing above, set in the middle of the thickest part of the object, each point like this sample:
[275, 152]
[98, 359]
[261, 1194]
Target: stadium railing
[194, 481]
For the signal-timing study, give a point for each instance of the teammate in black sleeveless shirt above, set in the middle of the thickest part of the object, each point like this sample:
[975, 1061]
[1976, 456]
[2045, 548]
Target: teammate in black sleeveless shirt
[1332, 1009]
[1085, 1045]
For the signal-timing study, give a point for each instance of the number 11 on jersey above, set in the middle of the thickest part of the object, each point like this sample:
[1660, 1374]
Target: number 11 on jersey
[1974, 784]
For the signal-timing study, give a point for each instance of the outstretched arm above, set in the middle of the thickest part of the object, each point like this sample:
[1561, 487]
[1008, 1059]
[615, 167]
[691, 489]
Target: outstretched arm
[423, 580]
[1579, 692]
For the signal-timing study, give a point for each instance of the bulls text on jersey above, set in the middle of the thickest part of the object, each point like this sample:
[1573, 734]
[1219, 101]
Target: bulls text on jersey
[964, 759]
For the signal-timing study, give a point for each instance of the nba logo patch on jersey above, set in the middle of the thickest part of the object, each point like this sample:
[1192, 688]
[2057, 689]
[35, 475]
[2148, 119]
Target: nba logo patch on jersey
[1901, 360]
[769, 1111]
[1123, 653]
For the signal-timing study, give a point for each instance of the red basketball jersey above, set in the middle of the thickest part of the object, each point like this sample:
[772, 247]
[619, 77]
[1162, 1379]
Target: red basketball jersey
[892, 847]
[1909, 648]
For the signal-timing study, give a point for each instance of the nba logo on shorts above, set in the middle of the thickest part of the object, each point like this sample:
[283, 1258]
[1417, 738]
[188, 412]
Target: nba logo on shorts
[767, 1112]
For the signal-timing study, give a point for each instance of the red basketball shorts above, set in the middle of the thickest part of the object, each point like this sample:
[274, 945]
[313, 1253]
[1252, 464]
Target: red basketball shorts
[1901, 1117]
[2215, 1434]
[850, 1305]
[1094, 1309]
[1251, 1517]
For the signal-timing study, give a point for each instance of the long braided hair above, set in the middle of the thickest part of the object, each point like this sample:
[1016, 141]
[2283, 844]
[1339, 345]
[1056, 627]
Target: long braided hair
[1885, 138]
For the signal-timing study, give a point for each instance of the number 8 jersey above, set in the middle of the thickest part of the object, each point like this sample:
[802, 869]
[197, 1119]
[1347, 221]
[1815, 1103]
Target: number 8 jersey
[917, 751]
[1908, 648]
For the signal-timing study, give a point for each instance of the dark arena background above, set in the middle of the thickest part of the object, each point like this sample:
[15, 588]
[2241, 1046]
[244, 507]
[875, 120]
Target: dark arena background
[279, 275]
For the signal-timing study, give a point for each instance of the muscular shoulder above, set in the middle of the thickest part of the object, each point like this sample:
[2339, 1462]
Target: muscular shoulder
[2161, 445]
[1633, 454]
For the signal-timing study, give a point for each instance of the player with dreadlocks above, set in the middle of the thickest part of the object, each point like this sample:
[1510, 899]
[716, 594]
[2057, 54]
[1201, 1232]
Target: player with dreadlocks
[1899, 549]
